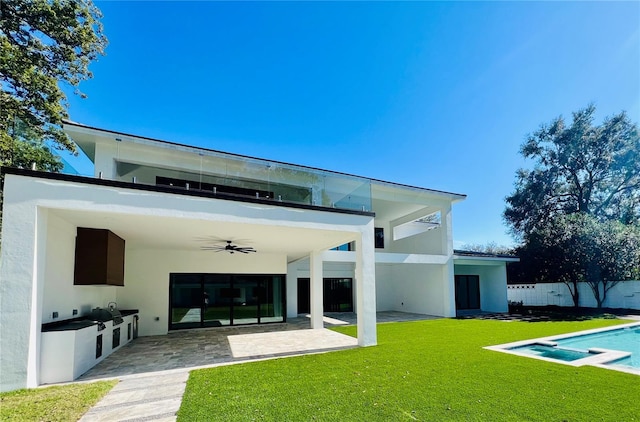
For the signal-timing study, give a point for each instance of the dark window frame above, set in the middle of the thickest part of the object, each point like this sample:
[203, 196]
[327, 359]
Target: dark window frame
[378, 236]
[202, 276]
[327, 282]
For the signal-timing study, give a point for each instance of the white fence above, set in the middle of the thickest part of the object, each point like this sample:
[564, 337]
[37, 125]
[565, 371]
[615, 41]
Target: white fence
[625, 294]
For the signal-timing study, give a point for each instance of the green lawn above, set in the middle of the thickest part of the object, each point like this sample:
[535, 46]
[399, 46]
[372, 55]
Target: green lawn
[427, 370]
[60, 403]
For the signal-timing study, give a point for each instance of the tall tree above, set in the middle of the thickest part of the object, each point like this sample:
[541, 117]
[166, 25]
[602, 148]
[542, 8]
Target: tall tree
[43, 43]
[579, 248]
[578, 168]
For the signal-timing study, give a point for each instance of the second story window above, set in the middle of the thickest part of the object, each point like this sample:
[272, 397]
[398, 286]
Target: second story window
[379, 237]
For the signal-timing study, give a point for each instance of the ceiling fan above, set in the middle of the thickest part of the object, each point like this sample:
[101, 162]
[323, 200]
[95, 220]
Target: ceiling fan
[229, 247]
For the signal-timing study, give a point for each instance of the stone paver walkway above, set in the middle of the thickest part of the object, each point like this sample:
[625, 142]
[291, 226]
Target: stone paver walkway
[148, 397]
[153, 370]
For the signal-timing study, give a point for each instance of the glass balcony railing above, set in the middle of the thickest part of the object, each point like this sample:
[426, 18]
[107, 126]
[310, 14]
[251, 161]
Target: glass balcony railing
[184, 167]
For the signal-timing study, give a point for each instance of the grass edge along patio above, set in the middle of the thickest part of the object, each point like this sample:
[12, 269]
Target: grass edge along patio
[417, 372]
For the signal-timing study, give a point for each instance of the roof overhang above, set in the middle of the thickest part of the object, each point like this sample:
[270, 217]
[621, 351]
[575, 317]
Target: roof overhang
[153, 219]
[86, 137]
[481, 258]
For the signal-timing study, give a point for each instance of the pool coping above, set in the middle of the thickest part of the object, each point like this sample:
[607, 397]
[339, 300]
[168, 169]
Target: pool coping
[599, 359]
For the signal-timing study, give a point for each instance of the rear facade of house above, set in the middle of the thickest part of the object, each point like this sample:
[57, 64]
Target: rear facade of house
[180, 237]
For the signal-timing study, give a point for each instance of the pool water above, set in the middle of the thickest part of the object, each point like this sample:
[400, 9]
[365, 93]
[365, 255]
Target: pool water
[572, 348]
[552, 352]
[625, 339]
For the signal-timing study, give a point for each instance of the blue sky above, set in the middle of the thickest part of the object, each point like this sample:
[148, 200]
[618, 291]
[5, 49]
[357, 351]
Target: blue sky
[432, 94]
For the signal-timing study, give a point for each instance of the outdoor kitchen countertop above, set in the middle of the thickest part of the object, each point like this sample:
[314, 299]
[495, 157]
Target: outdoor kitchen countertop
[78, 323]
[69, 325]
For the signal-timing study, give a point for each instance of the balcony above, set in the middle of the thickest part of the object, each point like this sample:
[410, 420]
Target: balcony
[127, 158]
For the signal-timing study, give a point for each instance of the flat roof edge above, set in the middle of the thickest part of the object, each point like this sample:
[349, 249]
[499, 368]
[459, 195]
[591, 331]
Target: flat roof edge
[484, 255]
[456, 197]
[173, 191]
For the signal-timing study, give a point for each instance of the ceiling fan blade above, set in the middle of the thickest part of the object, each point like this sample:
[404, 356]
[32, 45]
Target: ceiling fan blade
[216, 239]
[228, 247]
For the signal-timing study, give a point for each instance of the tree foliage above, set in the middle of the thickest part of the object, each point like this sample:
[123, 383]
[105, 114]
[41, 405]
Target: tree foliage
[578, 168]
[577, 211]
[43, 43]
[489, 248]
[579, 248]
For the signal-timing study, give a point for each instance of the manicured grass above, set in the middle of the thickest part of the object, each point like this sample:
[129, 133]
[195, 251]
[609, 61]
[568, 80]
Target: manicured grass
[60, 403]
[427, 370]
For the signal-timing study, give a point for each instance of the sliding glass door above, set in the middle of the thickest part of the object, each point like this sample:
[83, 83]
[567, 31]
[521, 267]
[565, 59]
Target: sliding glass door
[186, 301]
[214, 300]
[337, 295]
[218, 297]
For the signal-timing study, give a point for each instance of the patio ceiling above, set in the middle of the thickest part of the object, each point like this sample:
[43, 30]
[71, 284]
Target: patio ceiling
[154, 232]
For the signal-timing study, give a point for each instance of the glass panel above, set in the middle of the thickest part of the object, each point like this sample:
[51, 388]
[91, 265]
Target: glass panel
[271, 302]
[236, 175]
[214, 300]
[304, 296]
[338, 295]
[379, 237]
[186, 300]
[349, 192]
[245, 301]
[217, 300]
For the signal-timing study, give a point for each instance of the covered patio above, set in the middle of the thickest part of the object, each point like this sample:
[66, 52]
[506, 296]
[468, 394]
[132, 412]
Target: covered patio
[193, 349]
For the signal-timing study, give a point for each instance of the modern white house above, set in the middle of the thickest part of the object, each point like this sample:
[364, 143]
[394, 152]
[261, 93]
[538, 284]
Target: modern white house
[184, 237]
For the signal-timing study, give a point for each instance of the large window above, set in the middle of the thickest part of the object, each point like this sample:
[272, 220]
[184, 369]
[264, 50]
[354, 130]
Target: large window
[379, 237]
[214, 300]
[337, 295]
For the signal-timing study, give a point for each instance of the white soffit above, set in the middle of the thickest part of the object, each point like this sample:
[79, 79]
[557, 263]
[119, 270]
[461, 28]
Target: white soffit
[155, 232]
[417, 226]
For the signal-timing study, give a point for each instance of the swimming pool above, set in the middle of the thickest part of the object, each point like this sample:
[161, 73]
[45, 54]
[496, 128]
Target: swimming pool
[613, 348]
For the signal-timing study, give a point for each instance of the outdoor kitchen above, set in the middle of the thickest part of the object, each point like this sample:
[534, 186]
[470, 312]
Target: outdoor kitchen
[71, 347]
[76, 340]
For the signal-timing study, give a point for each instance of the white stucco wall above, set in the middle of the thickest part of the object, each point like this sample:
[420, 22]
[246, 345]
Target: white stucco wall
[625, 294]
[438, 241]
[147, 273]
[385, 293]
[419, 288]
[23, 235]
[60, 295]
[493, 285]
[412, 288]
[423, 243]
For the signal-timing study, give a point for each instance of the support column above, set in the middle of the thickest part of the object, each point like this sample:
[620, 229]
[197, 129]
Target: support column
[21, 270]
[448, 277]
[365, 273]
[449, 290]
[292, 290]
[317, 305]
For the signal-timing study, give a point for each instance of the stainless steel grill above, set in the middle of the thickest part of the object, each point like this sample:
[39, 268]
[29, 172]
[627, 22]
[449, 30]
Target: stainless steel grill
[104, 315]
